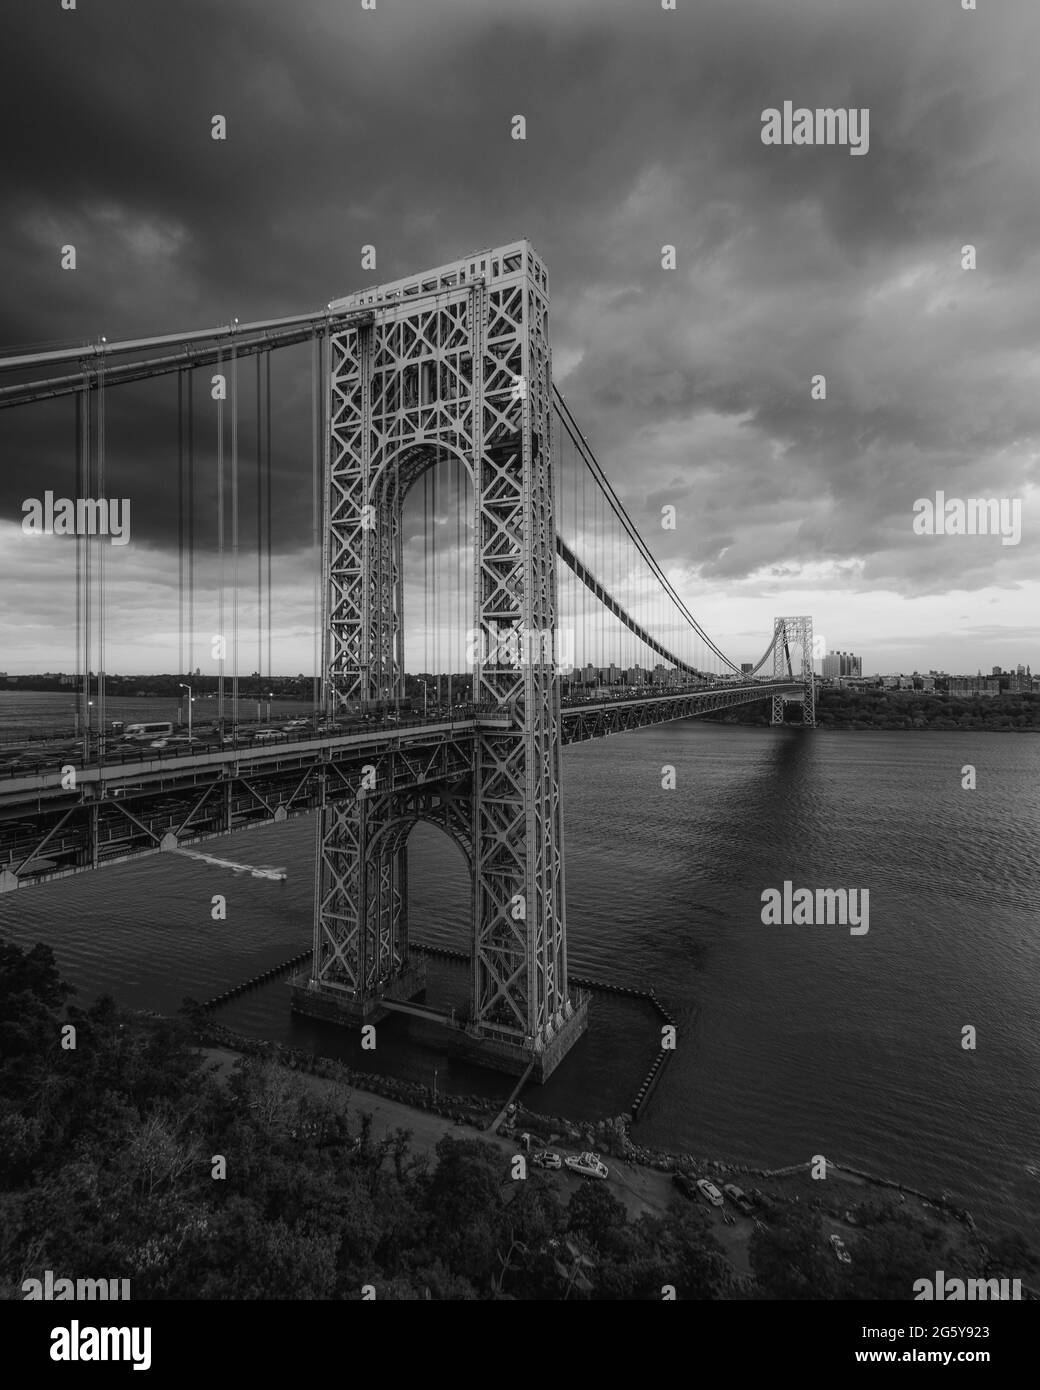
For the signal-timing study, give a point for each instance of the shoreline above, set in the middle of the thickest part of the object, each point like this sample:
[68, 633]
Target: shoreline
[608, 1136]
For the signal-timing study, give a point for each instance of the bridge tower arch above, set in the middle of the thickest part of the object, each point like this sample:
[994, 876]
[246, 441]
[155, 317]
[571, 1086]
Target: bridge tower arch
[455, 359]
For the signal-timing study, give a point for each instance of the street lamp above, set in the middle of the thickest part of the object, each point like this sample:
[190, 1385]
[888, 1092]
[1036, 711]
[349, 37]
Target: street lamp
[188, 689]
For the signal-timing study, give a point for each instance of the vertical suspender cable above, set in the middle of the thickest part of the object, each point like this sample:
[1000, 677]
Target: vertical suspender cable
[182, 670]
[221, 635]
[234, 532]
[101, 540]
[315, 514]
[191, 519]
[88, 580]
[259, 530]
[268, 446]
[82, 409]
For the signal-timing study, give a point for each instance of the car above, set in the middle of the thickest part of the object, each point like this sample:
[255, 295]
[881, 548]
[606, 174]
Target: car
[546, 1159]
[709, 1192]
[838, 1246]
[298, 724]
[738, 1197]
[685, 1184]
[266, 735]
[589, 1165]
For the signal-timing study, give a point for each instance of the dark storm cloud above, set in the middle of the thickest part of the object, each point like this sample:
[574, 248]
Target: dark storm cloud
[391, 127]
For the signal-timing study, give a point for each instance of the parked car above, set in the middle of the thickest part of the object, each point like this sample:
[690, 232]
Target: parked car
[546, 1159]
[709, 1192]
[838, 1246]
[738, 1197]
[589, 1165]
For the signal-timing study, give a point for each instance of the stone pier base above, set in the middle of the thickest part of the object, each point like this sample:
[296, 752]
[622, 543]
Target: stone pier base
[488, 1049]
[339, 1006]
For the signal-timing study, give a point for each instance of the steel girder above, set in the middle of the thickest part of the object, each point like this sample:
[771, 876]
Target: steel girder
[47, 832]
[456, 363]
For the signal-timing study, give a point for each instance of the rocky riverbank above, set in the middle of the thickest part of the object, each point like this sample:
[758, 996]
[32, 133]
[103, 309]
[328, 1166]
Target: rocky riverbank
[608, 1137]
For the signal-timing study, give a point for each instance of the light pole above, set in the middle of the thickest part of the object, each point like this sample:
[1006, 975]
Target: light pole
[423, 697]
[188, 689]
[435, 1085]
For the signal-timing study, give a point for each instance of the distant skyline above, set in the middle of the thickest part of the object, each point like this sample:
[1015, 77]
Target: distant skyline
[247, 680]
[693, 384]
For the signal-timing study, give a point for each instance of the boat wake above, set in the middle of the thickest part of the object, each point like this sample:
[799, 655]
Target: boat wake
[254, 870]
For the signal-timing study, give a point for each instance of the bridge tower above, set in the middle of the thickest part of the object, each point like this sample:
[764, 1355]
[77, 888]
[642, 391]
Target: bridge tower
[453, 362]
[788, 633]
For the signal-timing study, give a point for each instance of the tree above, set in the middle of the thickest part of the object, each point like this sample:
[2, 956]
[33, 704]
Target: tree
[790, 1258]
[593, 1211]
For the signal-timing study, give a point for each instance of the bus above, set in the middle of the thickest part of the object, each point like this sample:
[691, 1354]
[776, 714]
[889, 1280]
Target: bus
[138, 733]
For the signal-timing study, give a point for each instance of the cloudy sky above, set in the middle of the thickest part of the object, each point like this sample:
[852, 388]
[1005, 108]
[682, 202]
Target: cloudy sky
[391, 127]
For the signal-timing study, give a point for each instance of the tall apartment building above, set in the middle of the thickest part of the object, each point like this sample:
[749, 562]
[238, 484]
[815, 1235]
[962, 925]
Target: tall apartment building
[842, 664]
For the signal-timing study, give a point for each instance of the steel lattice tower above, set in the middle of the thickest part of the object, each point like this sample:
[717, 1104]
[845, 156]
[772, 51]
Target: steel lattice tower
[454, 362]
[788, 632]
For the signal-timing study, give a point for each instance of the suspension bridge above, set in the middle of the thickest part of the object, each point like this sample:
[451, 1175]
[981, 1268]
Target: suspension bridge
[524, 571]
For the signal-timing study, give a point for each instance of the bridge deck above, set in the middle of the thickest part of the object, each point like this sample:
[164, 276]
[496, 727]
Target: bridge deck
[51, 826]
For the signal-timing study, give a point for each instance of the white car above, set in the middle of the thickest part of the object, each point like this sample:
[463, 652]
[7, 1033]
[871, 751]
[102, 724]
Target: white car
[546, 1159]
[589, 1165]
[710, 1192]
